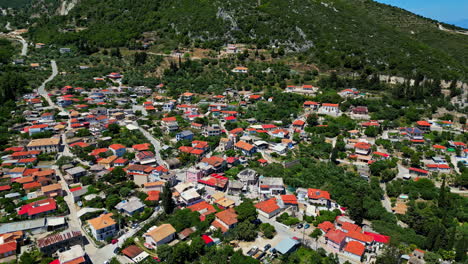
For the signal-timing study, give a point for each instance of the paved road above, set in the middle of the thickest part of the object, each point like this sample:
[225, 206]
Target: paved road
[24, 49]
[155, 142]
[42, 91]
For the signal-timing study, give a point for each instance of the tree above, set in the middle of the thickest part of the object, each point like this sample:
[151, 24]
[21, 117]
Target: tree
[245, 231]
[246, 211]
[140, 58]
[315, 235]
[391, 255]
[371, 131]
[268, 230]
[166, 200]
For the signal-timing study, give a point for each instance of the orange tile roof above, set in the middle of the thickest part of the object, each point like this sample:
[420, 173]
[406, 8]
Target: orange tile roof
[318, 194]
[326, 226]
[350, 227]
[289, 199]
[268, 206]
[355, 248]
[359, 236]
[102, 221]
[244, 145]
[229, 216]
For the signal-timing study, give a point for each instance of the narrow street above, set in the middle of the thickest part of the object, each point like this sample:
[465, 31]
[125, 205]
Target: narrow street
[42, 91]
[154, 142]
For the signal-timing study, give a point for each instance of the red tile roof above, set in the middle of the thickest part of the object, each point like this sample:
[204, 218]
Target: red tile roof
[359, 236]
[267, 206]
[362, 145]
[318, 194]
[7, 247]
[423, 123]
[336, 236]
[355, 248]
[289, 199]
[326, 226]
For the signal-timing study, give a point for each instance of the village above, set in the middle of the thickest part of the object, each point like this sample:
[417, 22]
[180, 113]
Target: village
[120, 172]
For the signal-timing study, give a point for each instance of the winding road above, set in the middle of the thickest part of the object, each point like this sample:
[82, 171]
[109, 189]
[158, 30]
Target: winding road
[42, 91]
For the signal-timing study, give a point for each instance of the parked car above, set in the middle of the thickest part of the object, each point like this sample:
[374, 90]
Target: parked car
[114, 241]
[267, 246]
[306, 226]
[299, 226]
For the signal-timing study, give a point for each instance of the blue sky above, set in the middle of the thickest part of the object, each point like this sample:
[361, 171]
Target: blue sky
[448, 11]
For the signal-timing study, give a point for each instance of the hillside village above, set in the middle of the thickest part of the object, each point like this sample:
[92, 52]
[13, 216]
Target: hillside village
[266, 162]
[97, 178]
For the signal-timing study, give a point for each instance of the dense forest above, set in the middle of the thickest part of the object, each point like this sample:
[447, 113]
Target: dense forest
[357, 35]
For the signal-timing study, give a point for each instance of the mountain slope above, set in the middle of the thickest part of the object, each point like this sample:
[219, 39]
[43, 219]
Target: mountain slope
[349, 34]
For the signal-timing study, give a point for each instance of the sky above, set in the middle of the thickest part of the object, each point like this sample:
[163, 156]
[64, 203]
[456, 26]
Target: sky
[448, 11]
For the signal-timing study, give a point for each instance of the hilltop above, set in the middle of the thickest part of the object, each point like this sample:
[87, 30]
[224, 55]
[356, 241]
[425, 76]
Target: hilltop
[353, 35]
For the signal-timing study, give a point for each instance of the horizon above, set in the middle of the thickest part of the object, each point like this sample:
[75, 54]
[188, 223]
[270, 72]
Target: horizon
[453, 12]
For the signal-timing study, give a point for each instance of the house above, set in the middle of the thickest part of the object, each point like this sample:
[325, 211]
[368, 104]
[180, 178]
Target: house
[225, 144]
[360, 110]
[46, 145]
[248, 177]
[50, 244]
[317, 196]
[326, 226]
[145, 157]
[75, 255]
[348, 92]
[108, 162]
[271, 186]
[225, 220]
[362, 148]
[103, 226]
[417, 257]
[130, 206]
[299, 124]
[184, 135]
[287, 245]
[160, 235]
[38, 208]
[118, 149]
[216, 181]
[287, 200]
[329, 109]
[154, 186]
[190, 197]
[170, 124]
[187, 96]
[7, 251]
[354, 250]
[418, 172]
[135, 253]
[203, 208]
[246, 148]
[225, 203]
[423, 125]
[74, 174]
[193, 175]
[217, 164]
[240, 69]
[268, 208]
[214, 130]
[141, 147]
[52, 190]
[184, 234]
[120, 162]
[336, 239]
[34, 129]
[311, 105]
[414, 133]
